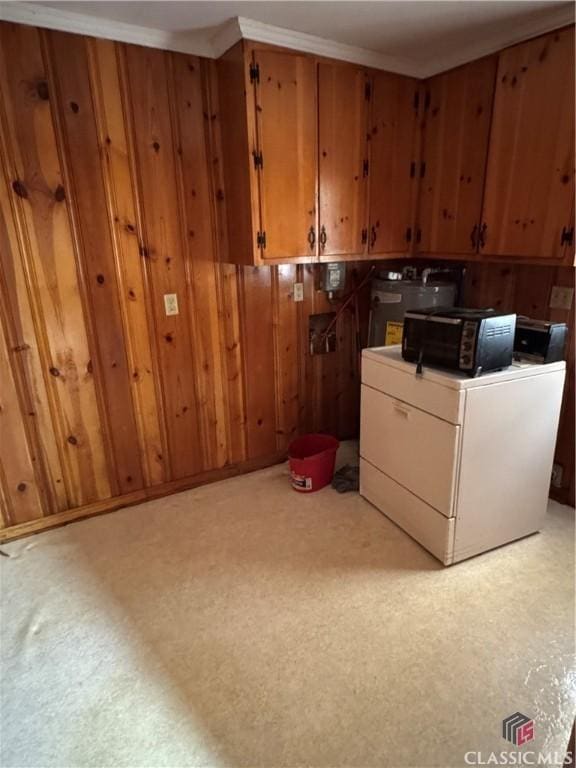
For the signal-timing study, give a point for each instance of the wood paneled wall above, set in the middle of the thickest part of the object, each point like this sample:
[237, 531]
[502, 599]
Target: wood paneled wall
[111, 197]
[526, 290]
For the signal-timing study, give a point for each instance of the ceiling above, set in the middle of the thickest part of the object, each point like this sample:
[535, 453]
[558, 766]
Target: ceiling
[415, 37]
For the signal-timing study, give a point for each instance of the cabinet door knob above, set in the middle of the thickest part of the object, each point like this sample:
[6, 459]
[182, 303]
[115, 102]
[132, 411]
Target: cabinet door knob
[323, 236]
[372, 236]
[312, 237]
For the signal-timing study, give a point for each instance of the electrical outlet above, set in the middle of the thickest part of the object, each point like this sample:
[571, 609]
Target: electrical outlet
[556, 479]
[561, 297]
[298, 291]
[171, 303]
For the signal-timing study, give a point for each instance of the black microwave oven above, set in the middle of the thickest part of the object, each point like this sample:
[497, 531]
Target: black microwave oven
[471, 341]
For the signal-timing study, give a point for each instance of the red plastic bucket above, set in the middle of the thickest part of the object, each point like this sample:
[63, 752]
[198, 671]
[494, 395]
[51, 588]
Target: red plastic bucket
[311, 459]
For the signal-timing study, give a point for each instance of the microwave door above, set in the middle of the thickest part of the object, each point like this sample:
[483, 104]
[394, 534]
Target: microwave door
[436, 340]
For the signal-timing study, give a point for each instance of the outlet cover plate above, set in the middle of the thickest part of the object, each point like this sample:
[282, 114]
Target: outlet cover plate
[298, 291]
[561, 297]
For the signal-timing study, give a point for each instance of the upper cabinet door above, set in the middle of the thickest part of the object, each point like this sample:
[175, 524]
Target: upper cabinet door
[343, 125]
[393, 159]
[530, 176]
[286, 123]
[455, 147]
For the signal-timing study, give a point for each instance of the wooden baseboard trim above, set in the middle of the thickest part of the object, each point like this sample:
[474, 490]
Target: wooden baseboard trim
[136, 497]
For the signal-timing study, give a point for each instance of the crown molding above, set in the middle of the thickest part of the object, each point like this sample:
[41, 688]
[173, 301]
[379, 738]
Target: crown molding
[197, 44]
[212, 44]
[301, 41]
[225, 37]
[39, 15]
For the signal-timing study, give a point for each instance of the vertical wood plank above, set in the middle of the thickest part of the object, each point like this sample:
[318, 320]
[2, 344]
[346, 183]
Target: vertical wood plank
[126, 231]
[490, 285]
[309, 382]
[39, 201]
[231, 281]
[23, 343]
[20, 488]
[163, 250]
[68, 54]
[227, 279]
[192, 163]
[258, 359]
[288, 354]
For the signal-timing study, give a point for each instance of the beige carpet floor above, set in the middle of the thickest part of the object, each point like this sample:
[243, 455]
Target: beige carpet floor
[243, 624]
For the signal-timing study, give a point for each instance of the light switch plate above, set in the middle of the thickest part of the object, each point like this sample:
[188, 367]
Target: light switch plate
[298, 291]
[171, 303]
[561, 297]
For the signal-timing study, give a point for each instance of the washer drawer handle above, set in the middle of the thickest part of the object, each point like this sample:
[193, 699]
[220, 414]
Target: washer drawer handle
[402, 410]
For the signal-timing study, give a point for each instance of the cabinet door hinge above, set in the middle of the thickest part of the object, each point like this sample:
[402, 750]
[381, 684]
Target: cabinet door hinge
[408, 235]
[412, 169]
[367, 91]
[482, 236]
[364, 236]
[258, 159]
[427, 100]
[567, 236]
[416, 100]
[474, 237]
[422, 169]
[254, 73]
[365, 168]
[261, 239]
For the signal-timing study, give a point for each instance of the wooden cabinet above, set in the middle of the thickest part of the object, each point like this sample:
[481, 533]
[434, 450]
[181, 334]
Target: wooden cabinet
[343, 97]
[498, 156]
[458, 109]
[530, 174]
[325, 160]
[268, 109]
[296, 138]
[393, 137]
[286, 152]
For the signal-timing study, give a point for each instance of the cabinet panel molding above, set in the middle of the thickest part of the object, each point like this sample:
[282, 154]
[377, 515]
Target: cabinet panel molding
[394, 162]
[286, 153]
[343, 99]
[456, 132]
[530, 174]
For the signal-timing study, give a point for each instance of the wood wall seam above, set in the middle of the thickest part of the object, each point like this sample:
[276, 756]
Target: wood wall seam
[162, 454]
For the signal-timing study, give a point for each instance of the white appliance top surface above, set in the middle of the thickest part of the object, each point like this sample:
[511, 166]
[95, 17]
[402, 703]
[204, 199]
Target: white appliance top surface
[392, 356]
